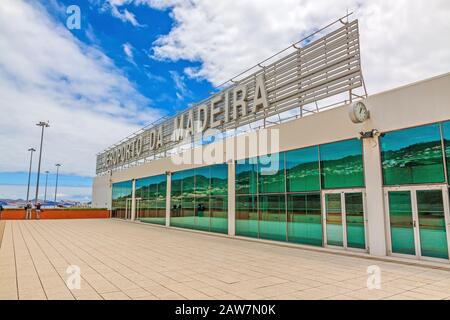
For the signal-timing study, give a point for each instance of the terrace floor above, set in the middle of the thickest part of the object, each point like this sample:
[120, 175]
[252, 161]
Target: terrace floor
[120, 260]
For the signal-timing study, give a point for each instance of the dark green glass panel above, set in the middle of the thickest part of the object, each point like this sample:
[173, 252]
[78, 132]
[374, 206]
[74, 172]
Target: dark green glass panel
[342, 164]
[412, 156]
[433, 235]
[446, 131]
[219, 214]
[246, 176]
[333, 207]
[271, 174]
[177, 179]
[305, 219]
[402, 226]
[149, 206]
[272, 225]
[188, 183]
[121, 191]
[247, 216]
[354, 210]
[202, 216]
[202, 181]
[219, 180]
[176, 212]
[302, 170]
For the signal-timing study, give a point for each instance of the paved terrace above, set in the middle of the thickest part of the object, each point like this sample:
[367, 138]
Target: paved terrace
[120, 260]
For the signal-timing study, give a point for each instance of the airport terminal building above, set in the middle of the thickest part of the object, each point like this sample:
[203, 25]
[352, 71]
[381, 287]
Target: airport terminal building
[278, 156]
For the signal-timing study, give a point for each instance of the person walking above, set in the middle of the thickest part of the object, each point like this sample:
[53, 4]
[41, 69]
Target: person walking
[38, 211]
[28, 209]
[1, 211]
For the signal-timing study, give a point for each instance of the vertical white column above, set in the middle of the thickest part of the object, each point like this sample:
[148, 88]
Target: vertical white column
[231, 198]
[133, 200]
[375, 198]
[168, 193]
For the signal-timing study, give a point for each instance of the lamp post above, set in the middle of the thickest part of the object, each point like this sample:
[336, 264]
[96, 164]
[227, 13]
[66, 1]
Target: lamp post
[46, 180]
[57, 175]
[31, 150]
[43, 125]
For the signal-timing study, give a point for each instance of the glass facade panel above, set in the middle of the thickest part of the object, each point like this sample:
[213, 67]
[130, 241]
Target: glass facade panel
[200, 199]
[271, 175]
[433, 235]
[413, 156]
[219, 214]
[333, 207]
[246, 176]
[402, 226]
[305, 219]
[342, 164]
[219, 180]
[121, 195]
[354, 208]
[302, 170]
[272, 225]
[446, 132]
[150, 200]
[247, 216]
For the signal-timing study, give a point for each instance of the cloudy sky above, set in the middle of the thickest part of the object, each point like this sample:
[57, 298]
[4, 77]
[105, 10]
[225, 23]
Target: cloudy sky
[134, 61]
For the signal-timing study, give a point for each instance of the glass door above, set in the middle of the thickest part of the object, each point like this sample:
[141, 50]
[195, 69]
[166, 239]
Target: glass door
[344, 219]
[128, 209]
[418, 222]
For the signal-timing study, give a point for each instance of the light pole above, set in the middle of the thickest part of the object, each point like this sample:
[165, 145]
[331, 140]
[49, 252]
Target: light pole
[31, 150]
[46, 180]
[57, 175]
[43, 125]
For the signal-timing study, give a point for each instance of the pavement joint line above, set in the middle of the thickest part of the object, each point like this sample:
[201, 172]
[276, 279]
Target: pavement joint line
[396, 260]
[63, 257]
[49, 260]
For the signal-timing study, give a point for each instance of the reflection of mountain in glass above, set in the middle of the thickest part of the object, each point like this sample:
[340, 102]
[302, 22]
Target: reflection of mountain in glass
[418, 163]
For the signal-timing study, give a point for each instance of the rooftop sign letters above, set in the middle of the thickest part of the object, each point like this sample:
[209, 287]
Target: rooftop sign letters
[323, 68]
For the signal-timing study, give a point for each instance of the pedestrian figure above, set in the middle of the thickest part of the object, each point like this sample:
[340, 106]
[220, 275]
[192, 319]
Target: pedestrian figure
[1, 210]
[28, 209]
[38, 211]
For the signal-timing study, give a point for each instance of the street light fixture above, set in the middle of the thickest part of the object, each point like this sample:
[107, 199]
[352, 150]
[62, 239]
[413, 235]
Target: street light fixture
[46, 180]
[57, 175]
[43, 125]
[31, 150]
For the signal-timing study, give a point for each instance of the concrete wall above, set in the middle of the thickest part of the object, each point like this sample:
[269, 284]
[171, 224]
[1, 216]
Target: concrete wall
[56, 214]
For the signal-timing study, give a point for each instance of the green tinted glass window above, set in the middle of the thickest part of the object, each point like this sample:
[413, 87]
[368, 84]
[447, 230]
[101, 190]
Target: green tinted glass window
[342, 164]
[433, 235]
[272, 225]
[271, 174]
[354, 212]
[446, 131]
[413, 156]
[121, 191]
[219, 180]
[202, 181]
[305, 219]
[246, 176]
[188, 184]
[302, 170]
[247, 216]
[219, 214]
[150, 200]
[401, 220]
[333, 209]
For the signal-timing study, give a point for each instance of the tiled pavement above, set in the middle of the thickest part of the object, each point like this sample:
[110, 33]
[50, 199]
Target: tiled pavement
[120, 260]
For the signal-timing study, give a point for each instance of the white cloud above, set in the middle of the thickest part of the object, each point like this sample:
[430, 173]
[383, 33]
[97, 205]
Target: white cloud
[180, 85]
[402, 41]
[46, 74]
[124, 15]
[128, 50]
